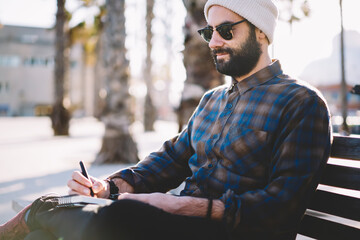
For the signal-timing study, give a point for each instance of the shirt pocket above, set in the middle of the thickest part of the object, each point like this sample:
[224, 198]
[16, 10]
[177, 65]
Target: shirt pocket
[245, 151]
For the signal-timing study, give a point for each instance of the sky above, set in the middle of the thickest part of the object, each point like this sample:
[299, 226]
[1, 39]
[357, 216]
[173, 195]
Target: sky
[308, 40]
[35, 13]
[312, 38]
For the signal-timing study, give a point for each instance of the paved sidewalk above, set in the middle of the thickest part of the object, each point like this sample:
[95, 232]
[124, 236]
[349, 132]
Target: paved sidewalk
[33, 162]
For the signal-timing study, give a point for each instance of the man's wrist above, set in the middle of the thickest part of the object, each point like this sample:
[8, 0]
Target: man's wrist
[193, 206]
[218, 208]
[113, 190]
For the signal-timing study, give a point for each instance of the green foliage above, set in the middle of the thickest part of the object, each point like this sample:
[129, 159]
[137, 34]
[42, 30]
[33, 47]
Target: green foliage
[87, 34]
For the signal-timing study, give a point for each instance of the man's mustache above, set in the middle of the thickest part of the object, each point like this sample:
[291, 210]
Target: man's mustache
[222, 50]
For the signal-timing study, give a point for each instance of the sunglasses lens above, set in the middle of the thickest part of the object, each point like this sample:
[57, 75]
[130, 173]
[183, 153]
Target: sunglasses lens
[225, 32]
[206, 33]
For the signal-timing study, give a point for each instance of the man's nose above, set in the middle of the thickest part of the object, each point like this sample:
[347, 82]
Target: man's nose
[216, 40]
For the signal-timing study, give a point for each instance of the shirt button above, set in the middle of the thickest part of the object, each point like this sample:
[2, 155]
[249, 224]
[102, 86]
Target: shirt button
[229, 106]
[215, 136]
[210, 165]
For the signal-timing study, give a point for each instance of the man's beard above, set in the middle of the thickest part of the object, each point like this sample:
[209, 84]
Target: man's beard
[242, 60]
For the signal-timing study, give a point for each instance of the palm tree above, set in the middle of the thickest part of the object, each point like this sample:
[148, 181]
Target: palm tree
[201, 74]
[60, 116]
[99, 88]
[117, 144]
[89, 36]
[149, 109]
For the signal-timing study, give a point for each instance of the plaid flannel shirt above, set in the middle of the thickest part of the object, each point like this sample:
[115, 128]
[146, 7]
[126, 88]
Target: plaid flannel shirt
[259, 146]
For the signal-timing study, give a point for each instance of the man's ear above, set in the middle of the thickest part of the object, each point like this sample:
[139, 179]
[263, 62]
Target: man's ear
[261, 36]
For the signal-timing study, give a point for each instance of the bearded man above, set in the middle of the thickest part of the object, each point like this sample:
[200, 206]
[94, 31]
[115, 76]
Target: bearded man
[251, 155]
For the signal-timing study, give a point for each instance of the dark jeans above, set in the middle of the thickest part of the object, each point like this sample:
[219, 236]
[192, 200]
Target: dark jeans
[124, 219]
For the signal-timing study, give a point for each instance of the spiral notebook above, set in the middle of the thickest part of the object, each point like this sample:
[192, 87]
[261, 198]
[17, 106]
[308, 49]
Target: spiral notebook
[80, 201]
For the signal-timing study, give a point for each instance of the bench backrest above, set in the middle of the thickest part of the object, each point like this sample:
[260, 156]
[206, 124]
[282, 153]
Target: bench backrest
[334, 212]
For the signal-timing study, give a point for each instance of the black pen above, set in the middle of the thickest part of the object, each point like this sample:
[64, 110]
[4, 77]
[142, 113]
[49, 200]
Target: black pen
[84, 172]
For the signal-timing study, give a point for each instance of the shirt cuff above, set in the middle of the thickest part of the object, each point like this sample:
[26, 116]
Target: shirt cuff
[132, 178]
[232, 209]
[126, 175]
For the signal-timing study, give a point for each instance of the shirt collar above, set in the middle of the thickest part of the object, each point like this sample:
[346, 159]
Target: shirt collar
[258, 78]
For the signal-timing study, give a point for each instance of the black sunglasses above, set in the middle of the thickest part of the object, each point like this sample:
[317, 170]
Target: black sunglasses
[224, 30]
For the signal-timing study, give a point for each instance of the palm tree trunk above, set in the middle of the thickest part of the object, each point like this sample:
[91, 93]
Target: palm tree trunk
[60, 116]
[149, 109]
[344, 102]
[99, 70]
[201, 74]
[118, 144]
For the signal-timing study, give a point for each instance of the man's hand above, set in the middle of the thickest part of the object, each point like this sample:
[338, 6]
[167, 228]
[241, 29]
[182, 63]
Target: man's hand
[79, 184]
[188, 206]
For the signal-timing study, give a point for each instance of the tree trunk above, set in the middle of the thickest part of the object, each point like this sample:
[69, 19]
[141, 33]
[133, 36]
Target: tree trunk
[200, 68]
[99, 70]
[344, 102]
[118, 144]
[149, 109]
[100, 76]
[60, 116]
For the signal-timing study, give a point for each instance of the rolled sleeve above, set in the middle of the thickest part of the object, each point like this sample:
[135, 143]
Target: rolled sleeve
[162, 170]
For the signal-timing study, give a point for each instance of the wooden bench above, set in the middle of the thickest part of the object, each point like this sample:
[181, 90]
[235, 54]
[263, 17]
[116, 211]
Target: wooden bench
[334, 212]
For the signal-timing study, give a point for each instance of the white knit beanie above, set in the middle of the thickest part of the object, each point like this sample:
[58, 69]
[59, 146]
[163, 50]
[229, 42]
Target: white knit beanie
[262, 13]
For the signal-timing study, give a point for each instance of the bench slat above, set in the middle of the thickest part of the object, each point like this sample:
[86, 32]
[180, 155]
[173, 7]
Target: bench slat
[331, 215]
[336, 204]
[322, 229]
[346, 147]
[341, 176]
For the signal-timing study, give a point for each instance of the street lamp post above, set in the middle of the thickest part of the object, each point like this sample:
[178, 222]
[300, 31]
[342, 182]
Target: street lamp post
[344, 102]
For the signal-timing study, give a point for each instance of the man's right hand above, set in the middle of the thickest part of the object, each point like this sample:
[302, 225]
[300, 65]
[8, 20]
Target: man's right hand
[78, 184]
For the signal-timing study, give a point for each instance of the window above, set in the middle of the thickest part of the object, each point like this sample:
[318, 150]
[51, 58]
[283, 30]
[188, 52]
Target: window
[4, 87]
[9, 61]
[38, 61]
[29, 38]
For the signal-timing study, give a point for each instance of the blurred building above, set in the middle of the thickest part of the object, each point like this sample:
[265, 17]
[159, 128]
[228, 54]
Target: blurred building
[27, 74]
[325, 74]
